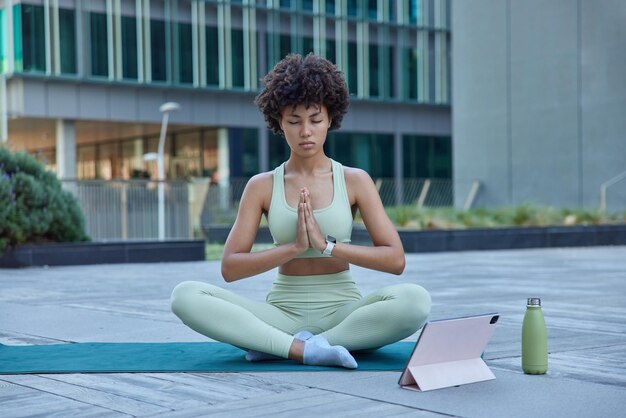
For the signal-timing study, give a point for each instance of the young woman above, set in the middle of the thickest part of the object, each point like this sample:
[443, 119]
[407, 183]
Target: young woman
[314, 313]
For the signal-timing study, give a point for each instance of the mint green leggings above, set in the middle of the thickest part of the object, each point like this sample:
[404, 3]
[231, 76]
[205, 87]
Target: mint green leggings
[328, 304]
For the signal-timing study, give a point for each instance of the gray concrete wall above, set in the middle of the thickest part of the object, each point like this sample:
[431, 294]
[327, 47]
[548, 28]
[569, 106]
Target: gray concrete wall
[539, 100]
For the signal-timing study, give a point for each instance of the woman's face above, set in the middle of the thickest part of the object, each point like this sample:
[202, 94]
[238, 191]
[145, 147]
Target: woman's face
[305, 128]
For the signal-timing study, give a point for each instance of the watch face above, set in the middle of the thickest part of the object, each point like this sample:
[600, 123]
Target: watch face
[332, 239]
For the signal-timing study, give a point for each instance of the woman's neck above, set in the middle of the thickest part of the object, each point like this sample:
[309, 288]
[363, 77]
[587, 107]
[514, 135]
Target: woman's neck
[315, 165]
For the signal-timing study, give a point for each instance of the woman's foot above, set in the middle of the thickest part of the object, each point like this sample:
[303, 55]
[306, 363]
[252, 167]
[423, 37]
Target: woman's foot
[318, 352]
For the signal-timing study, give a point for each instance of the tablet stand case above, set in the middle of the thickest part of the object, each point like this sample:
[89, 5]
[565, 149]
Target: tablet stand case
[448, 353]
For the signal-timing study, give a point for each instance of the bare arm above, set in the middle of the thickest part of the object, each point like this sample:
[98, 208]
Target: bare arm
[387, 254]
[238, 261]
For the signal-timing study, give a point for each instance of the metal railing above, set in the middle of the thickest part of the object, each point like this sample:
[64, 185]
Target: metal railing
[222, 201]
[419, 192]
[605, 186]
[128, 209]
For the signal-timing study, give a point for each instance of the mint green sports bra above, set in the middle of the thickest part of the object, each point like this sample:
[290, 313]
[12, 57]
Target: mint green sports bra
[335, 219]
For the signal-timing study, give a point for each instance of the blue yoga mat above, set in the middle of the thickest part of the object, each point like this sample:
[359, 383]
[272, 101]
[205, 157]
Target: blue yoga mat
[170, 358]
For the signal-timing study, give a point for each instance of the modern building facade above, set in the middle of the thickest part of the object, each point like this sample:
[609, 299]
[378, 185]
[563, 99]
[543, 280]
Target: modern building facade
[539, 111]
[82, 82]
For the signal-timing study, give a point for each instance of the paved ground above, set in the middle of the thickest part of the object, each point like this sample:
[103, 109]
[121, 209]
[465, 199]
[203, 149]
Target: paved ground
[583, 291]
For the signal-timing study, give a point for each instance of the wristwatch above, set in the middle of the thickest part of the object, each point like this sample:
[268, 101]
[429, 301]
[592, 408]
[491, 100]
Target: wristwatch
[330, 244]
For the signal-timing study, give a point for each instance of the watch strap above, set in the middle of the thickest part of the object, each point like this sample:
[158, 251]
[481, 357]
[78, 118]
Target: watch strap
[329, 248]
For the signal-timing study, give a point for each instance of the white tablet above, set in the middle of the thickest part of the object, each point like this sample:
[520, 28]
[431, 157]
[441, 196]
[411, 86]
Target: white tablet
[448, 353]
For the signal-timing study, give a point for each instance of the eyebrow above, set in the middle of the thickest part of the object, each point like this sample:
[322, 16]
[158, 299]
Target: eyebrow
[293, 115]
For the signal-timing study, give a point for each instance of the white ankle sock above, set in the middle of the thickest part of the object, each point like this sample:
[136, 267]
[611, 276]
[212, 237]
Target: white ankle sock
[318, 352]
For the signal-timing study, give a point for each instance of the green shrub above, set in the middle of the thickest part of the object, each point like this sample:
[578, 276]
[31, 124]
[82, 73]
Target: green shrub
[33, 206]
[526, 215]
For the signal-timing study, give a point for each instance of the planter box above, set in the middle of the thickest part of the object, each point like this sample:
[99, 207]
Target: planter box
[513, 238]
[72, 254]
[477, 238]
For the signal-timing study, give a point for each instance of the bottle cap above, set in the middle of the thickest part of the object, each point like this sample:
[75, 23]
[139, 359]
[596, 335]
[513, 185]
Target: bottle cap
[534, 301]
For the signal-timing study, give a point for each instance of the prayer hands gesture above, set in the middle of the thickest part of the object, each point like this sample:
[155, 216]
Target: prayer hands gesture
[308, 234]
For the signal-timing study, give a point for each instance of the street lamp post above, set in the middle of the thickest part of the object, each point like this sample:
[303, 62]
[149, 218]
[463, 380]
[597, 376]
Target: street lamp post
[165, 108]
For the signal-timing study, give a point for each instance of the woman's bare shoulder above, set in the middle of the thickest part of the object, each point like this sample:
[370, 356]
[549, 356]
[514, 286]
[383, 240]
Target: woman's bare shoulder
[262, 178]
[356, 176]
[259, 187]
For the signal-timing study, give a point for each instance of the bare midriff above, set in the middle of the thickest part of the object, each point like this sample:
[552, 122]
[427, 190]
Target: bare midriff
[313, 266]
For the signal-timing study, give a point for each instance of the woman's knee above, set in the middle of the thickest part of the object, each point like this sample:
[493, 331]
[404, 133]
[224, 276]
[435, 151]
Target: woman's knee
[414, 303]
[182, 295]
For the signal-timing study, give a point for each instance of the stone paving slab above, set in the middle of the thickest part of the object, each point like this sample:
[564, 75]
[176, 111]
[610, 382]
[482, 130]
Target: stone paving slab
[583, 292]
[511, 394]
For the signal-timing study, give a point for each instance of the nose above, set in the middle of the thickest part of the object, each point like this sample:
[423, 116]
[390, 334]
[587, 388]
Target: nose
[305, 131]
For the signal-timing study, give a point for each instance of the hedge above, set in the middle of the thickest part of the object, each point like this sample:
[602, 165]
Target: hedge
[34, 208]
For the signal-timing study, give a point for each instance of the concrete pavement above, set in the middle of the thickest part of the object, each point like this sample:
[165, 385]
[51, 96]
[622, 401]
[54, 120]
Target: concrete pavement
[583, 292]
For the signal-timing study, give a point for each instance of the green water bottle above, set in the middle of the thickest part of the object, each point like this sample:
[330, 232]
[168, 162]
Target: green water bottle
[534, 339]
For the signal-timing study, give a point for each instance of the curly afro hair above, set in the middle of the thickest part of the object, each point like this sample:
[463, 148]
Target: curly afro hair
[298, 80]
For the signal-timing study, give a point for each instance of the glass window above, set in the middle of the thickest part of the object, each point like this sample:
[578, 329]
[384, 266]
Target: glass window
[67, 35]
[388, 70]
[374, 72]
[427, 157]
[338, 147]
[393, 11]
[186, 160]
[151, 144]
[185, 58]
[99, 44]
[331, 53]
[353, 83]
[330, 7]
[278, 149]
[307, 5]
[33, 38]
[129, 47]
[285, 46]
[372, 9]
[307, 45]
[237, 57]
[285, 4]
[410, 73]
[212, 56]
[414, 11]
[353, 8]
[108, 160]
[209, 153]
[3, 54]
[187, 145]
[86, 161]
[244, 152]
[250, 158]
[271, 50]
[305, 33]
[370, 152]
[132, 159]
[157, 45]
[17, 37]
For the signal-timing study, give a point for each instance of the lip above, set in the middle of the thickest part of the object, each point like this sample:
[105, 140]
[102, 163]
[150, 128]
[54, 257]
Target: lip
[307, 144]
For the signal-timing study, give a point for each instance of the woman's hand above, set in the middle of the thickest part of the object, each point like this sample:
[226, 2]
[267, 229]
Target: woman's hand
[302, 236]
[316, 239]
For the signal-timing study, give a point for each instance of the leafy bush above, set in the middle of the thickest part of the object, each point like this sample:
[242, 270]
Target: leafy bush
[523, 216]
[33, 206]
